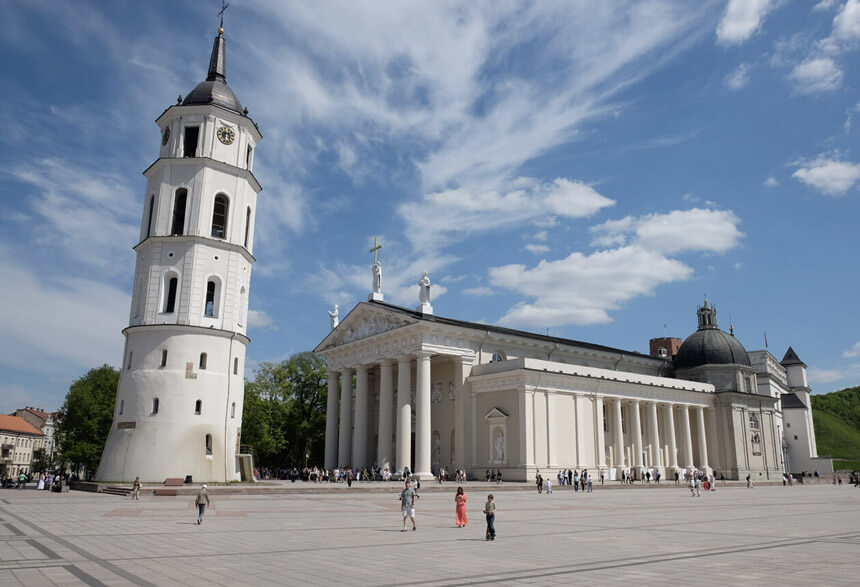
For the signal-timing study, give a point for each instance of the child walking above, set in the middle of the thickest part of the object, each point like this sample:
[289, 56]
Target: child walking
[490, 511]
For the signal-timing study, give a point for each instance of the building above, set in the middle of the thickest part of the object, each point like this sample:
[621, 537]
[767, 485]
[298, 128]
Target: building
[179, 399]
[410, 389]
[45, 422]
[18, 440]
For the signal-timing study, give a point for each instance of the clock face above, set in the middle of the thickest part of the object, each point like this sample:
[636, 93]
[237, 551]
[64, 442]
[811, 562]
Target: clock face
[165, 136]
[226, 135]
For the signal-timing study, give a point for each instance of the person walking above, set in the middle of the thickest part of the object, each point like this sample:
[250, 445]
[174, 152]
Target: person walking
[749, 482]
[539, 483]
[692, 487]
[202, 502]
[22, 481]
[548, 486]
[460, 499]
[591, 483]
[407, 505]
[490, 512]
[135, 489]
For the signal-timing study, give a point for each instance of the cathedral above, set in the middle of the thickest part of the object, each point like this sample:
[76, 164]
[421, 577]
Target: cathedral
[409, 389]
[179, 401]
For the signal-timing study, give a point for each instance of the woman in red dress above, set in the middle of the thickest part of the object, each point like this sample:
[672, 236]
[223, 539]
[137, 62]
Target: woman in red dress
[460, 500]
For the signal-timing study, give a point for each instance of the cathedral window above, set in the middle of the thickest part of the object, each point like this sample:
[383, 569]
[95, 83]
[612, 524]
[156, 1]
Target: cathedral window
[198, 407]
[754, 422]
[155, 405]
[233, 410]
[209, 309]
[208, 445]
[219, 216]
[247, 225]
[190, 143]
[170, 297]
[178, 227]
[164, 357]
[149, 222]
[203, 358]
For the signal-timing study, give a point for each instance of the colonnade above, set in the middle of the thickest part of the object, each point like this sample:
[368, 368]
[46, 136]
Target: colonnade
[678, 456]
[346, 440]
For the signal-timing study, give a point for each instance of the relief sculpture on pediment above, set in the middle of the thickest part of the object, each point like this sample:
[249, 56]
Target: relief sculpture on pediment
[372, 325]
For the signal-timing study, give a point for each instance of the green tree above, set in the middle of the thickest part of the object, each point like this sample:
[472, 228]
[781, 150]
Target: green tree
[84, 421]
[42, 461]
[284, 415]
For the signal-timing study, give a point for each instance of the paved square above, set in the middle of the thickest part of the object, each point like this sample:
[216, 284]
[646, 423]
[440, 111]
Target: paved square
[640, 536]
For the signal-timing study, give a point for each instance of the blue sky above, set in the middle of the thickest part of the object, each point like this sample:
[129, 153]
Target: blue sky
[588, 168]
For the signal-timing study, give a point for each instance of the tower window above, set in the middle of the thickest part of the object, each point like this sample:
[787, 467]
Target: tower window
[164, 357]
[121, 406]
[149, 222]
[128, 366]
[155, 405]
[198, 407]
[178, 227]
[219, 216]
[209, 310]
[233, 410]
[247, 225]
[203, 358]
[190, 143]
[170, 299]
[248, 157]
[208, 445]
[236, 366]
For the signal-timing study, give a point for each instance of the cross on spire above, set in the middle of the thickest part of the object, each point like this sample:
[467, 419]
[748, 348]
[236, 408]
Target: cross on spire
[376, 247]
[224, 7]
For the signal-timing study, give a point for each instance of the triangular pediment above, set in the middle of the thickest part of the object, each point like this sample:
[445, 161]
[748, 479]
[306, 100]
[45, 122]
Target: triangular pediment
[495, 414]
[364, 321]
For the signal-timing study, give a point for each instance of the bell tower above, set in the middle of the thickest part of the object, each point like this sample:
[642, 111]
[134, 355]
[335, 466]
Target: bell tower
[179, 400]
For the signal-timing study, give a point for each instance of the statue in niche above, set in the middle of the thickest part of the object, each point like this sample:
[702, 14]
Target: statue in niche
[451, 391]
[437, 448]
[377, 277]
[499, 447]
[333, 315]
[436, 393]
[424, 292]
[756, 444]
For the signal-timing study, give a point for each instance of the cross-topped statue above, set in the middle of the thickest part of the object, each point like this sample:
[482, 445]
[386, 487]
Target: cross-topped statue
[376, 292]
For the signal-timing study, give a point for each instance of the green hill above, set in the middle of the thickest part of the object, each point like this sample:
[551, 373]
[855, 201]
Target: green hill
[837, 426]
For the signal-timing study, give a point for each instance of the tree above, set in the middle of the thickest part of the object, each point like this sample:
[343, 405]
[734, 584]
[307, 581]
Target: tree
[42, 462]
[84, 421]
[284, 415]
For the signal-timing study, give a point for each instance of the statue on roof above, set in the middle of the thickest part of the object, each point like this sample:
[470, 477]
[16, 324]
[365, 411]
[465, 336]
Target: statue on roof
[333, 314]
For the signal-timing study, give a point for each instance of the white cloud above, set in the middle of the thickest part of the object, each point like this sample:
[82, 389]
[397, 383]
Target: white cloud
[849, 117]
[817, 375]
[478, 291]
[742, 19]
[824, 5]
[260, 320]
[739, 77]
[854, 351]
[541, 235]
[536, 249]
[457, 213]
[818, 74]
[829, 176]
[846, 24]
[680, 230]
[771, 182]
[583, 289]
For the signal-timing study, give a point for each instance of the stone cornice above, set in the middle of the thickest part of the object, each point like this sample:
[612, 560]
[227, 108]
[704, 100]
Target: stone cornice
[210, 163]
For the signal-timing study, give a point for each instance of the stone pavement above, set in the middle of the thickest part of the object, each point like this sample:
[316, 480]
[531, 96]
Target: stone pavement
[734, 536]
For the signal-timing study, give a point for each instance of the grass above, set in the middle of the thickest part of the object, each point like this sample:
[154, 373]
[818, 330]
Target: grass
[835, 437]
[840, 465]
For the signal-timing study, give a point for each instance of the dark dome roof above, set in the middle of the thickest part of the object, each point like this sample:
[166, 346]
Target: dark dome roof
[710, 346]
[213, 92]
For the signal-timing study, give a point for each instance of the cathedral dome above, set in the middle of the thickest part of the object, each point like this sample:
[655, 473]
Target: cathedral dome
[214, 89]
[709, 345]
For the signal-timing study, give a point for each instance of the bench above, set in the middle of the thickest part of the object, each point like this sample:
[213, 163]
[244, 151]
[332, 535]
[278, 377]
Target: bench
[174, 482]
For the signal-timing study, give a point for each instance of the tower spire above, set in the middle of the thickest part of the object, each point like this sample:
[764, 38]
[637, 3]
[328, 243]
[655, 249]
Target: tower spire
[216, 61]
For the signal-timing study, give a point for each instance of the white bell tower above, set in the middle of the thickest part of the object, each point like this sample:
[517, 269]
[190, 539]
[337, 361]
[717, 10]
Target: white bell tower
[179, 401]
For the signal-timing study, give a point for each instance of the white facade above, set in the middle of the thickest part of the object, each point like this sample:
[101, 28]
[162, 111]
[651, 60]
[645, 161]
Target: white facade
[179, 401]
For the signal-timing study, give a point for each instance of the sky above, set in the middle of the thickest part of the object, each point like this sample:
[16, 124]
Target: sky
[590, 169]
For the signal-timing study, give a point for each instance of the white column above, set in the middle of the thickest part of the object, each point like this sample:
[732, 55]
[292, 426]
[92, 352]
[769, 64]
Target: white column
[670, 435]
[404, 413]
[686, 437]
[637, 436]
[619, 436]
[703, 443]
[656, 461]
[359, 430]
[386, 393]
[579, 401]
[345, 434]
[599, 438]
[330, 460]
[422, 416]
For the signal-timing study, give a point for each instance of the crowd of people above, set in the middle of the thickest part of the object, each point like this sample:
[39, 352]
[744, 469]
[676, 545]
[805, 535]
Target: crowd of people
[47, 481]
[348, 475]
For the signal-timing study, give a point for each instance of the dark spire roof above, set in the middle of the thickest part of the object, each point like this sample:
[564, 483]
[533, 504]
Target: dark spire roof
[214, 89]
[791, 358]
[709, 345]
